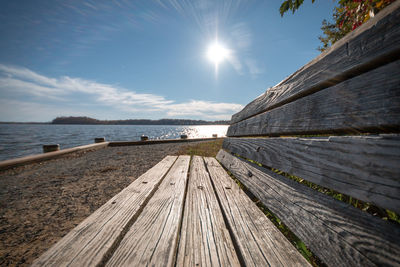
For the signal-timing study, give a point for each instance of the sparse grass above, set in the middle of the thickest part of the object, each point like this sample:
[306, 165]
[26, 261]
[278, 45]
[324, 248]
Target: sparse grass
[204, 149]
[384, 214]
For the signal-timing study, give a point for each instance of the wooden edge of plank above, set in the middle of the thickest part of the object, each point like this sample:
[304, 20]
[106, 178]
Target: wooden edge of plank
[7, 164]
[254, 108]
[259, 242]
[335, 231]
[95, 237]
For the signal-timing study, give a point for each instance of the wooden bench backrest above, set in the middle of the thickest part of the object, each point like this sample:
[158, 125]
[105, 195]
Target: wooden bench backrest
[339, 99]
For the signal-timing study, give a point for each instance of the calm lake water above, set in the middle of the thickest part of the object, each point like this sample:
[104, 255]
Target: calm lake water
[18, 140]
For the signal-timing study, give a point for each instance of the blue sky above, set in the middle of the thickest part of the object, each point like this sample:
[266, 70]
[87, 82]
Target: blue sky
[120, 59]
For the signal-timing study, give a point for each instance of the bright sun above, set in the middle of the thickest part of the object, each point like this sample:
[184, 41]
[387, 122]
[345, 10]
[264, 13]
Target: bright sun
[217, 53]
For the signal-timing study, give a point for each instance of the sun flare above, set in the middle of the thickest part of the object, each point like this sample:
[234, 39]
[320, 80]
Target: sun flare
[217, 53]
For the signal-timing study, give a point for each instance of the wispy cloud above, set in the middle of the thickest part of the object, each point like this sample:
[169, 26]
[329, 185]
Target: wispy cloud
[253, 67]
[243, 60]
[18, 82]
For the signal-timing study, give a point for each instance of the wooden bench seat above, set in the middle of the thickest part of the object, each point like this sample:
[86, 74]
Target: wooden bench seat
[176, 213]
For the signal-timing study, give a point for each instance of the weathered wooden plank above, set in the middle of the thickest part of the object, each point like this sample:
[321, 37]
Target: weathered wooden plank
[260, 243]
[339, 234]
[204, 239]
[364, 167]
[91, 240]
[369, 102]
[374, 43]
[152, 239]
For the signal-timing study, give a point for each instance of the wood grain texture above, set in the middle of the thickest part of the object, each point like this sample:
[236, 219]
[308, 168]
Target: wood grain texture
[364, 167]
[204, 239]
[339, 234]
[152, 239]
[259, 242]
[91, 240]
[374, 43]
[369, 102]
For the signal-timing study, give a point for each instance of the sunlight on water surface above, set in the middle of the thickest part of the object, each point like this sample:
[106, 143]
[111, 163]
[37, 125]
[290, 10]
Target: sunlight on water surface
[18, 140]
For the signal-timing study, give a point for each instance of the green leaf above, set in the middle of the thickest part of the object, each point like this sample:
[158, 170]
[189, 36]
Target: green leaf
[284, 7]
[297, 4]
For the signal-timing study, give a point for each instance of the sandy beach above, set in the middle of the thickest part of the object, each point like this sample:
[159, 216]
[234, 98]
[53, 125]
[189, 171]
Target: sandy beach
[41, 202]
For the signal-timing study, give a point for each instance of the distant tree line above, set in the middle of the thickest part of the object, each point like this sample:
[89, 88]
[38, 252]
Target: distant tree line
[87, 120]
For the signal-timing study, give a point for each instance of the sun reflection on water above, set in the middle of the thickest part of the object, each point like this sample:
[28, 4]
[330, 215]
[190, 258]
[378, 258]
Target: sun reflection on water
[198, 131]
[205, 131]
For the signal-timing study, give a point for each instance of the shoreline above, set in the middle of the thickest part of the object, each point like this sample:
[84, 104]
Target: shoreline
[11, 163]
[24, 140]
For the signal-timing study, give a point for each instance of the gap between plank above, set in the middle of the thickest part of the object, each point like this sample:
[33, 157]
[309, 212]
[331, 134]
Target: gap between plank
[178, 243]
[234, 241]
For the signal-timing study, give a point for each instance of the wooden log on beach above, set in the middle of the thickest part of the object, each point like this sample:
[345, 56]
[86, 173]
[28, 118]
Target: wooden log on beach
[99, 139]
[51, 148]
